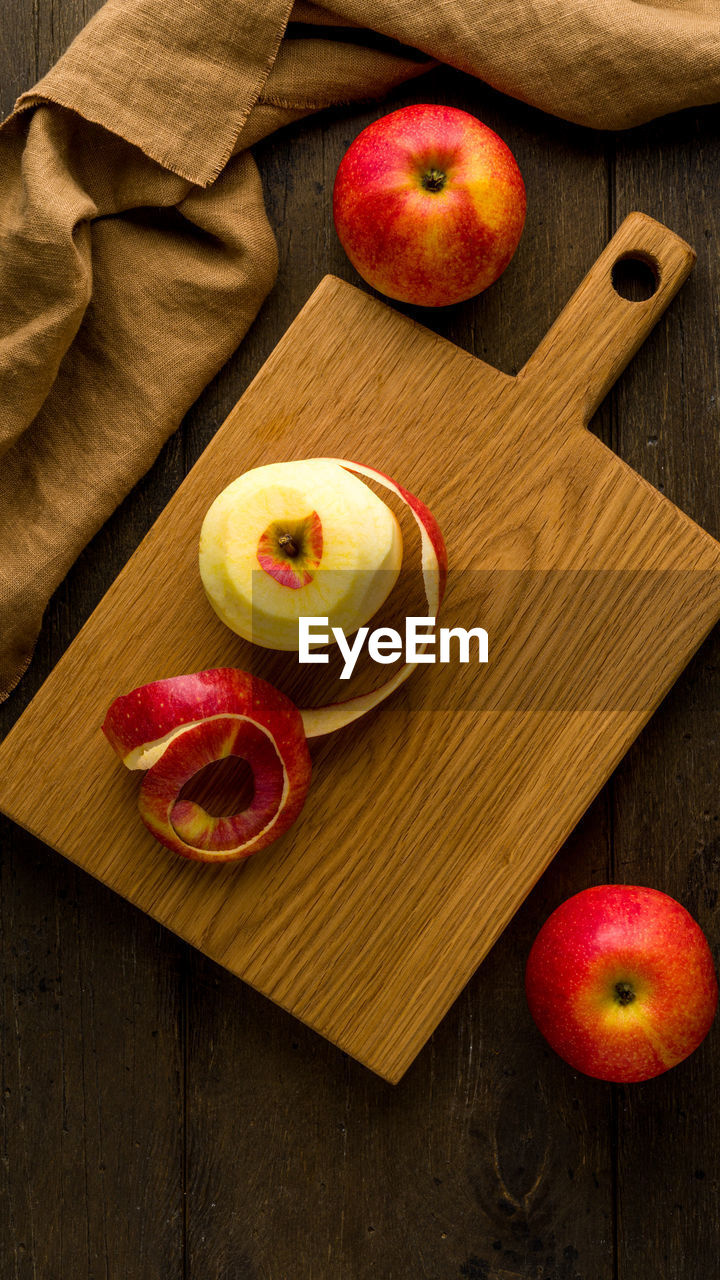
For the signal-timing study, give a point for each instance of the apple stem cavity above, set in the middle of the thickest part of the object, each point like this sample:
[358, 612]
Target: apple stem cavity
[433, 180]
[288, 544]
[624, 993]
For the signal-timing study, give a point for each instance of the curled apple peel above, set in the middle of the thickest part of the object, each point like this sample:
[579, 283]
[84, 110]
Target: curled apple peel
[434, 563]
[173, 728]
[185, 827]
[141, 724]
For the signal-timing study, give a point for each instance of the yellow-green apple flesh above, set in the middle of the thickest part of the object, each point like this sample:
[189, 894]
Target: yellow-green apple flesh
[298, 539]
[621, 982]
[174, 728]
[429, 205]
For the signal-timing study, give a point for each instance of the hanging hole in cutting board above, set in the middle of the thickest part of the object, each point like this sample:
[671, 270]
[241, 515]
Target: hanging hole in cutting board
[636, 277]
[223, 787]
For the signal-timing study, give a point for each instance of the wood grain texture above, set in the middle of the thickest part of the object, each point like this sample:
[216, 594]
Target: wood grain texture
[333, 926]
[104, 1077]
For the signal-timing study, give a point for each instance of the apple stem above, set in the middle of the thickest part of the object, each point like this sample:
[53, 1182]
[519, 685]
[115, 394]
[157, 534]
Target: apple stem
[433, 180]
[624, 993]
[288, 544]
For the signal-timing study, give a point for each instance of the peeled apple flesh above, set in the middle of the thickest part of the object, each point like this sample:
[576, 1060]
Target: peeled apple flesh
[298, 539]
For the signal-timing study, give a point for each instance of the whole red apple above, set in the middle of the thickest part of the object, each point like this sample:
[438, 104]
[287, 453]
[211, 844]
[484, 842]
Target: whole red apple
[620, 981]
[429, 205]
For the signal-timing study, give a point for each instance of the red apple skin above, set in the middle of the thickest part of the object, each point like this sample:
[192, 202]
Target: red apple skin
[422, 513]
[631, 935]
[149, 712]
[432, 248]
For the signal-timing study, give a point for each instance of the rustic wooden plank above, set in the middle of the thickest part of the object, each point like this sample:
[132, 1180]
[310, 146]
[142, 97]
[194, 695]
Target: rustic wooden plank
[92, 1076]
[92, 993]
[667, 818]
[18, 52]
[490, 1159]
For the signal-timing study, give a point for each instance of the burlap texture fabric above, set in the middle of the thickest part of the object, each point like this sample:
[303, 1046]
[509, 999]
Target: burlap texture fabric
[134, 246]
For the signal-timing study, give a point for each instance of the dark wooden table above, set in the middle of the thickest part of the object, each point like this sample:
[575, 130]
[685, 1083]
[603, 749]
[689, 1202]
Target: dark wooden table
[160, 1121]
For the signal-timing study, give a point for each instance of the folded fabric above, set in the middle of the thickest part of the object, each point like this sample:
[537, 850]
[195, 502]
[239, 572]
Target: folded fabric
[134, 246]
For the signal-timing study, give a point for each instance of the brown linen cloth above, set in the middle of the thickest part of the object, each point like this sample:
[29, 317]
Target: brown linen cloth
[134, 246]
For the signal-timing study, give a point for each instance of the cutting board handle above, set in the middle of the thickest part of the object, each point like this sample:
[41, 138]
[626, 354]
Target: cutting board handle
[599, 331]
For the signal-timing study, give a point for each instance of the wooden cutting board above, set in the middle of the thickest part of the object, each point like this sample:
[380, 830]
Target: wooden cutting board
[429, 821]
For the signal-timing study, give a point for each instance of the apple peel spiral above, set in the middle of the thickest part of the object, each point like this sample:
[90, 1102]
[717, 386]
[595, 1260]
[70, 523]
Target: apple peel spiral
[172, 728]
[434, 564]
